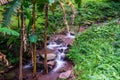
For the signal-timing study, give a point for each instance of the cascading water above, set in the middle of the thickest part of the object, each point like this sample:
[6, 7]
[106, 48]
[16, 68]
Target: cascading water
[70, 35]
[52, 45]
[60, 52]
[60, 58]
[28, 66]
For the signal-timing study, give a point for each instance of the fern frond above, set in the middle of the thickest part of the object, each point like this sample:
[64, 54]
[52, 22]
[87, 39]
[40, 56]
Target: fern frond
[10, 11]
[8, 31]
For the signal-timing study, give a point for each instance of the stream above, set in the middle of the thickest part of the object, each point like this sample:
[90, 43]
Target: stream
[58, 47]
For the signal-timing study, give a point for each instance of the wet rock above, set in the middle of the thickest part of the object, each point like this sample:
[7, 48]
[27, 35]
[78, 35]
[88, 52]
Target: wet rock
[68, 41]
[51, 63]
[52, 45]
[58, 36]
[28, 66]
[51, 54]
[40, 66]
[65, 75]
[59, 41]
[72, 33]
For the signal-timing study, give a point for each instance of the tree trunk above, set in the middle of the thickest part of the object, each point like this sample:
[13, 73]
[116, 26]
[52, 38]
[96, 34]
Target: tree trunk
[34, 44]
[45, 37]
[64, 15]
[21, 47]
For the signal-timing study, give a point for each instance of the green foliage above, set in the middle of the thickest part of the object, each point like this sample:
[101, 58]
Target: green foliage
[51, 1]
[40, 4]
[12, 59]
[11, 10]
[33, 38]
[79, 2]
[93, 11]
[114, 0]
[8, 31]
[97, 53]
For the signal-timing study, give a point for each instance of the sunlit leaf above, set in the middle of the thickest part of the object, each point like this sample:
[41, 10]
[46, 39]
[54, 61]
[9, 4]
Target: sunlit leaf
[33, 38]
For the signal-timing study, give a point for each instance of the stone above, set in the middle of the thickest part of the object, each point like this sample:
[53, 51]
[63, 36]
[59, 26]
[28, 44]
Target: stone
[68, 41]
[51, 54]
[51, 63]
[59, 41]
[65, 75]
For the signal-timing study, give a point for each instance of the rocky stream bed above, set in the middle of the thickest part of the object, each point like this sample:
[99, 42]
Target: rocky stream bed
[58, 64]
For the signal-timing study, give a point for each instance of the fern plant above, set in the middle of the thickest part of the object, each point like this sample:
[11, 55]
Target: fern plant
[9, 11]
[8, 31]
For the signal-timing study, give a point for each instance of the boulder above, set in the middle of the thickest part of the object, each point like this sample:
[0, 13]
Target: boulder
[65, 75]
[51, 63]
[51, 54]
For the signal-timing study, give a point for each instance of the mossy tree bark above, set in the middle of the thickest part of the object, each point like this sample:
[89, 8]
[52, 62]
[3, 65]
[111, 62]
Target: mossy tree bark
[34, 44]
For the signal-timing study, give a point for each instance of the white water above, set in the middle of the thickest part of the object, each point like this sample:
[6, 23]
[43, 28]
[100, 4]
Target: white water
[60, 58]
[27, 66]
[59, 64]
[70, 36]
[59, 61]
[53, 45]
[61, 54]
[60, 51]
[64, 47]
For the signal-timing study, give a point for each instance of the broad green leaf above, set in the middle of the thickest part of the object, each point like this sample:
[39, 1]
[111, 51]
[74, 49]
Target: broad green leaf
[33, 38]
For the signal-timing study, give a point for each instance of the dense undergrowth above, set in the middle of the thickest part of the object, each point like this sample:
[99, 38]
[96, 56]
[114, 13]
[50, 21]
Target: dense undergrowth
[96, 53]
[90, 12]
[97, 11]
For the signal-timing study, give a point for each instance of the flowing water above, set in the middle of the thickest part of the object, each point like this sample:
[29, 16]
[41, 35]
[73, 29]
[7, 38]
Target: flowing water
[53, 45]
[27, 66]
[70, 35]
[60, 50]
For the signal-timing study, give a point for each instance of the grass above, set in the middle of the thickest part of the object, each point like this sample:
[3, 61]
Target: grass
[98, 53]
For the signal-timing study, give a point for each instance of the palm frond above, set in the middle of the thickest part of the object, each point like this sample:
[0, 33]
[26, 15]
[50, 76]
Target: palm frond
[8, 31]
[10, 11]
